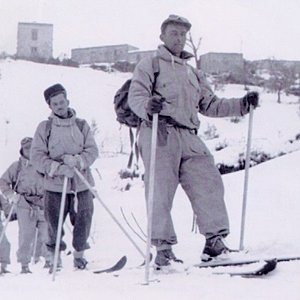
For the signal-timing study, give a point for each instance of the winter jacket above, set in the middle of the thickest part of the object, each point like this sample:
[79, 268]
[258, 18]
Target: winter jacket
[185, 90]
[65, 137]
[21, 177]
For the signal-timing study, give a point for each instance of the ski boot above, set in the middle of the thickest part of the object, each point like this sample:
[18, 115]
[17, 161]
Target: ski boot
[25, 269]
[79, 261]
[49, 264]
[215, 248]
[3, 269]
[164, 258]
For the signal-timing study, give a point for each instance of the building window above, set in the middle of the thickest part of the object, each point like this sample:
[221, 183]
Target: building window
[33, 51]
[34, 34]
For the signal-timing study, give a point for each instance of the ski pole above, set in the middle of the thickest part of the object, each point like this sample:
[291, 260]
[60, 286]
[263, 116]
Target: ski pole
[7, 221]
[95, 193]
[246, 178]
[59, 227]
[151, 194]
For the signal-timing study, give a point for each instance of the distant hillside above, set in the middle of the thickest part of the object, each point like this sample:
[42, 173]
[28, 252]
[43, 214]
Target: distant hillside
[22, 107]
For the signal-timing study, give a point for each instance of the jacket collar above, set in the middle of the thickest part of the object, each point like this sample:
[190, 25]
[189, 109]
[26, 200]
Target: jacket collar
[64, 122]
[165, 54]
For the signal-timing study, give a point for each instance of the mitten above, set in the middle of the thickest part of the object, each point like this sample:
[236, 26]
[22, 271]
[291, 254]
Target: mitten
[251, 98]
[65, 170]
[70, 160]
[154, 105]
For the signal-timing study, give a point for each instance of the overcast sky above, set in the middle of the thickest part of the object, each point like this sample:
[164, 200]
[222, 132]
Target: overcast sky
[257, 28]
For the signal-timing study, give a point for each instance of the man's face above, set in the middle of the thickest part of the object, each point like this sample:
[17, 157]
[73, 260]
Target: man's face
[59, 105]
[174, 38]
[26, 150]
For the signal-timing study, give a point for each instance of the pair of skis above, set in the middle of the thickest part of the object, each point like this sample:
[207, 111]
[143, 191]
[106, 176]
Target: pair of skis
[268, 265]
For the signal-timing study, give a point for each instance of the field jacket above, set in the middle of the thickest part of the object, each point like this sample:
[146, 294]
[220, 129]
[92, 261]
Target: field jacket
[21, 177]
[185, 90]
[65, 137]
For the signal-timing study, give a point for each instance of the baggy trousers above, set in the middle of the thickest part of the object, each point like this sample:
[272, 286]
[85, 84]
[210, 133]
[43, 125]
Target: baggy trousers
[183, 159]
[81, 218]
[30, 219]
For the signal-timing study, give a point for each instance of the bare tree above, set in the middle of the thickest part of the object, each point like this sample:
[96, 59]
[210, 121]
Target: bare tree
[281, 78]
[195, 48]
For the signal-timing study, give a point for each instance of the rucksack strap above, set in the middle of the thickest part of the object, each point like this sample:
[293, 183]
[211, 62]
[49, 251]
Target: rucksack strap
[79, 122]
[19, 167]
[155, 68]
[133, 141]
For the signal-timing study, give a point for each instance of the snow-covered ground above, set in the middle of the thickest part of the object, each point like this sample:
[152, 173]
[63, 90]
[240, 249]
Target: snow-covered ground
[273, 209]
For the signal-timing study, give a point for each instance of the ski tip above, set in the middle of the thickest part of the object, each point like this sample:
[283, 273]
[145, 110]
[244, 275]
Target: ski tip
[118, 266]
[268, 267]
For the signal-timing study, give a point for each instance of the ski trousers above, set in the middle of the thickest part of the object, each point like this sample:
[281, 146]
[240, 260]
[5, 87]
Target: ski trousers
[31, 219]
[183, 159]
[80, 217]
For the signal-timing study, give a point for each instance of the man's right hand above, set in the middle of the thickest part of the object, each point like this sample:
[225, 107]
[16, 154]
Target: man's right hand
[65, 170]
[154, 105]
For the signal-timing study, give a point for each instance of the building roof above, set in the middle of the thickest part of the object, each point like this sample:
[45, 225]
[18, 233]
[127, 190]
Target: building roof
[141, 51]
[34, 23]
[222, 53]
[107, 46]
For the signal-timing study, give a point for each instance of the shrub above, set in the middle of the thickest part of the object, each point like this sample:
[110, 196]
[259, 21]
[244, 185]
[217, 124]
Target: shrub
[211, 132]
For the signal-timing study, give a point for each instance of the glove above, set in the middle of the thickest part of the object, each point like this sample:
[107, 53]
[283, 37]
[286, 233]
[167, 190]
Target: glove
[13, 216]
[251, 98]
[65, 170]
[154, 105]
[70, 160]
[14, 198]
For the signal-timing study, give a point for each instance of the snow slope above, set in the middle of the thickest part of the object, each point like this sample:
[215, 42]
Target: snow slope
[273, 209]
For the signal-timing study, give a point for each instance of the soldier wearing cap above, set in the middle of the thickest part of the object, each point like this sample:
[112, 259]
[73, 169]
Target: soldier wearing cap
[22, 185]
[60, 144]
[181, 93]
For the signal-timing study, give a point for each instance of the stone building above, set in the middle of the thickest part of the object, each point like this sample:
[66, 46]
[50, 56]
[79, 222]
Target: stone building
[216, 63]
[136, 55]
[34, 41]
[103, 54]
[268, 64]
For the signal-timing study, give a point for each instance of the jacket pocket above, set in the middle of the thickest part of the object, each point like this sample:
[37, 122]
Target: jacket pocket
[168, 90]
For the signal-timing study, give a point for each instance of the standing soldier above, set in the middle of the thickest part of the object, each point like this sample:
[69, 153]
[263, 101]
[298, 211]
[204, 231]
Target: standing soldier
[60, 144]
[23, 185]
[181, 92]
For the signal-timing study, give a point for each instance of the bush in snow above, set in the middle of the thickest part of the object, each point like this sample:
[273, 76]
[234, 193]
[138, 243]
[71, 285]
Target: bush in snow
[210, 132]
[235, 119]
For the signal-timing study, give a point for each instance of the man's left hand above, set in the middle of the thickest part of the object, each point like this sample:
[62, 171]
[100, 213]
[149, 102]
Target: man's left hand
[70, 160]
[251, 98]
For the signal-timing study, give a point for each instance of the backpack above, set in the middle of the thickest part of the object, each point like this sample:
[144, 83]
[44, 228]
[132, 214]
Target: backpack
[127, 117]
[124, 114]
